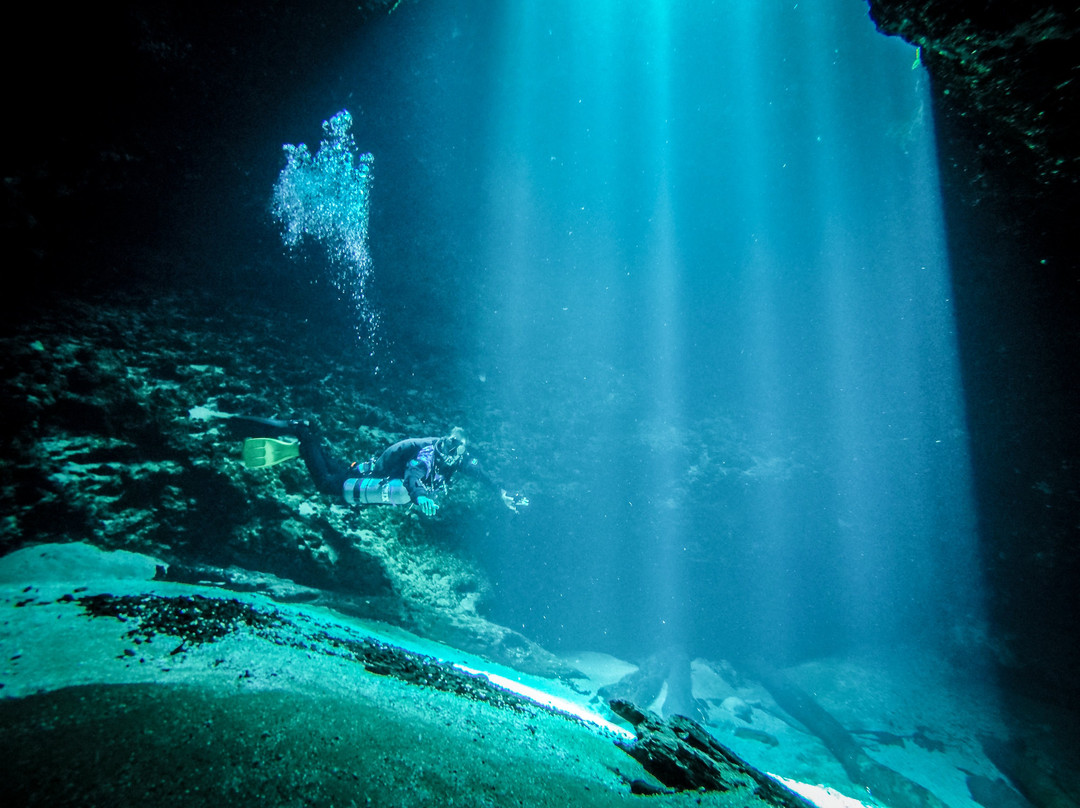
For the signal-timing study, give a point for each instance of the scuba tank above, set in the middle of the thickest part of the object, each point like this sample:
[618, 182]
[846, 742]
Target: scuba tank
[372, 491]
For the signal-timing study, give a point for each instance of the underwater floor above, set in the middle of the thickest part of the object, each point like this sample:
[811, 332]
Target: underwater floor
[120, 688]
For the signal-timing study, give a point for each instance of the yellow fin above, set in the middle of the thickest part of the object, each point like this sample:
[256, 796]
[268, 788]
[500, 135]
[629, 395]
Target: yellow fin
[261, 452]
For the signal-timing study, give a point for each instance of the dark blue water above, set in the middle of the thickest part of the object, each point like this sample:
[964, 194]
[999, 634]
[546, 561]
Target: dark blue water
[694, 253]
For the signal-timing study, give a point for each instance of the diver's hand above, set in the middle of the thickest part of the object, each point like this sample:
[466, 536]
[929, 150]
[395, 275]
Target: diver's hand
[514, 501]
[428, 506]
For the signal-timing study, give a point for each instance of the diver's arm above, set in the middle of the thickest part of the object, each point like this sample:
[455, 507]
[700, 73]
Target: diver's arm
[415, 472]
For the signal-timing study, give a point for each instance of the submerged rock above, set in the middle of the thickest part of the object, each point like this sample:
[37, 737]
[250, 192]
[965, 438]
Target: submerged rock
[684, 756]
[756, 735]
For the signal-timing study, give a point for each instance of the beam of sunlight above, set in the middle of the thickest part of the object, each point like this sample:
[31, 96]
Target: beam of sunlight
[903, 497]
[716, 279]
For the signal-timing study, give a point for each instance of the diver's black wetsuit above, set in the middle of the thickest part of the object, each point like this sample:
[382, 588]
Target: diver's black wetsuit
[328, 473]
[415, 462]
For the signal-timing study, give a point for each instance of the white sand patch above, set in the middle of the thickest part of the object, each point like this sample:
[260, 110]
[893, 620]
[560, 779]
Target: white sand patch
[546, 699]
[601, 669]
[821, 795]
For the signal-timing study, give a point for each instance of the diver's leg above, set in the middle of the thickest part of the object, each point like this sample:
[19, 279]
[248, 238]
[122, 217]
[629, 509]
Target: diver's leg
[328, 473]
[250, 426]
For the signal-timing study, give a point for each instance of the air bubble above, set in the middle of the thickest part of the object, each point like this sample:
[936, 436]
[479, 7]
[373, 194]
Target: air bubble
[325, 197]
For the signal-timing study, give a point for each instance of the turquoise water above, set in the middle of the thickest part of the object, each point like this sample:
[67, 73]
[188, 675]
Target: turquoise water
[696, 254]
[680, 270]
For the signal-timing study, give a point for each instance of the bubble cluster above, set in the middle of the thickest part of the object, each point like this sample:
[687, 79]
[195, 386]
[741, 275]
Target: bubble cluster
[326, 198]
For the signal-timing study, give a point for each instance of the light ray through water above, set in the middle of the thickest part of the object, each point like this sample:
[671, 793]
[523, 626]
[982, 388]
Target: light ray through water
[726, 264]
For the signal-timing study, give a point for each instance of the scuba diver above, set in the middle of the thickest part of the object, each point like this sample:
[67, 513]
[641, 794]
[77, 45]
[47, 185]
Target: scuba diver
[413, 471]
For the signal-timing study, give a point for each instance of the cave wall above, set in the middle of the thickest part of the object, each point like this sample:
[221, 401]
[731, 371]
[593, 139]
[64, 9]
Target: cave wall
[1007, 71]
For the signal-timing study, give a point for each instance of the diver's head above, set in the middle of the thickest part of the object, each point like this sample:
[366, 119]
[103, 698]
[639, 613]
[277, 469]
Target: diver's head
[451, 449]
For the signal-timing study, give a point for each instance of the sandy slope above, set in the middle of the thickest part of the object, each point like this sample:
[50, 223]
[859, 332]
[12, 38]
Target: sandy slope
[100, 709]
[115, 686]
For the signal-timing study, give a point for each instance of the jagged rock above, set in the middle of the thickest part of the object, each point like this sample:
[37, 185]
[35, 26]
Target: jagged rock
[684, 756]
